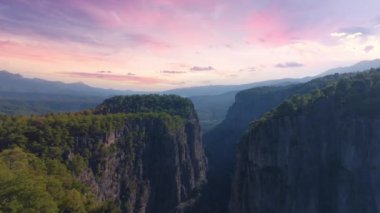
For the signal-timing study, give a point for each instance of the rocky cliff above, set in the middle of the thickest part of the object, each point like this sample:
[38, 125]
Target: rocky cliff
[315, 153]
[220, 142]
[141, 154]
[155, 167]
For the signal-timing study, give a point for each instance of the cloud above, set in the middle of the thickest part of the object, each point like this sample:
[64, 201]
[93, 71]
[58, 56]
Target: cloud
[4, 43]
[145, 40]
[116, 77]
[282, 22]
[368, 48]
[172, 72]
[352, 32]
[179, 83]
[103, 71]
[347, 35]
[229, 46]
[74, 22]
[33, 51]
[356, 29]
[46, 21]
[249, 69]
[289, 65]
[338, 34]
[354, 35]
[268, 26]
[201, 69]
[131, 74]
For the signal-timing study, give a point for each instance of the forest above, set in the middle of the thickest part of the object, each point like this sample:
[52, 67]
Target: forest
[42, 156]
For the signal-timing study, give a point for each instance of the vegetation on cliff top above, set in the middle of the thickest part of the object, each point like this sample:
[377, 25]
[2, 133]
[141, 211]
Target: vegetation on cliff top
[40, 155]
[171, 104]
[56, 134]
[354, 94]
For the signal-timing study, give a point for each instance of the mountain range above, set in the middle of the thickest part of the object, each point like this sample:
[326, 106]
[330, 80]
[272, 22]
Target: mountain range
[21, 95]
[10, 82]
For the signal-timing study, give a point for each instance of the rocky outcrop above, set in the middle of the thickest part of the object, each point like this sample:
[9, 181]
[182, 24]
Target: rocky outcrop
[157, 169]
[320, 158]
[155, 164]
[137, 154]
[220, 142]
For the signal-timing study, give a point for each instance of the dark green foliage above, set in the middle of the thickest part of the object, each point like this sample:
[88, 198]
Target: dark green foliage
[30, 184]
[66, 145]
[353, 94]
[55, 135]
[170, 104]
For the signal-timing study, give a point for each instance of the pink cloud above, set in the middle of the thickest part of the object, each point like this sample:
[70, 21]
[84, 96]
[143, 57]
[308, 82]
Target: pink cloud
[202, 69]
[11, 49]
[173, 72]
[5, 44]
[154, 24]
[116, 77]
[159, 18]
[269, 26]
[148, 42]
[276, 25]
[188, 4]
[39, 52]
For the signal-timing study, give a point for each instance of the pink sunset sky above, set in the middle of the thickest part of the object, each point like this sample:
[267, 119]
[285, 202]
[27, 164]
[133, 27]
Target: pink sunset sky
[164, 44]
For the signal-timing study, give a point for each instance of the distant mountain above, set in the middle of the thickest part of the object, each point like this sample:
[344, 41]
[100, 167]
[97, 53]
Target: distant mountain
[23, 96]
[221, 89]
[10, 82]
[20, 95]
[212, 109]
[358, 67]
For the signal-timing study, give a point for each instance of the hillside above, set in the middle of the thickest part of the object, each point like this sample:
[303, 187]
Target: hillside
[149, 159]
[314, 153]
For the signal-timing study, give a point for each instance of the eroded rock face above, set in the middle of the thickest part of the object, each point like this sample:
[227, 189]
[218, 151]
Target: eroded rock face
[220, 142]
[320, 161]
[156, 167]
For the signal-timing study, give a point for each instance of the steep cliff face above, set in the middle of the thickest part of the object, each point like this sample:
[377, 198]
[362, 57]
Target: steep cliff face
[250, 105]
[158, 164]
[314, 154]
[220, 142]
[155, 167]
[141, 154]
